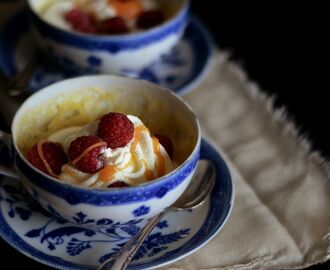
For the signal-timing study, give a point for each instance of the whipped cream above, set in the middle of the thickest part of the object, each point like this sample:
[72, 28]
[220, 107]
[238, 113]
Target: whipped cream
[141, 160]
[54, 14]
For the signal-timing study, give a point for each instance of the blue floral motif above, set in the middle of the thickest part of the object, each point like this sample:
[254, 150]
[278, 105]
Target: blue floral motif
[104, 221]
[163, 224]
[154, 244]
[76, 246]
[156, 250]
[23, 213]
[141, 211]
[90, 233]
[13, 200]
[149, 74]
[72, 68]
[131, 229]
[172, 61]
[76, 238]
[94, 61]
[81, 218]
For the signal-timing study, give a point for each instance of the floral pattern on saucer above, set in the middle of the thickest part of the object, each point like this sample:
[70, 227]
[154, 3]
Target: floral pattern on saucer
[55, 233]
[61, 244]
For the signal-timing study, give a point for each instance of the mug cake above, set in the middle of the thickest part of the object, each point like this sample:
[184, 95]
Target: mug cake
[105, 146]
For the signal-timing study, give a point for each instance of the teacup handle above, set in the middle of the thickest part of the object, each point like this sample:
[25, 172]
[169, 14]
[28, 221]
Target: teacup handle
[6, 139]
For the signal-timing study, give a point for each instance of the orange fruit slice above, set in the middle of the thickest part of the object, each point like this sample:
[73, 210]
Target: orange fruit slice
[127, 9]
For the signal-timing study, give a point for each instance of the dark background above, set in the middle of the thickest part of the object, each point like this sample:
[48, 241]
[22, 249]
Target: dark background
[282, 48]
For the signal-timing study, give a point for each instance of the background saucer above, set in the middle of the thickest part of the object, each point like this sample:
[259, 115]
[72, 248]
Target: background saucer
[41, 236]
[180, 70]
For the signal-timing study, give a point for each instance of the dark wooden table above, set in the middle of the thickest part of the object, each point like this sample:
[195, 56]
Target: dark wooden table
[280, 47]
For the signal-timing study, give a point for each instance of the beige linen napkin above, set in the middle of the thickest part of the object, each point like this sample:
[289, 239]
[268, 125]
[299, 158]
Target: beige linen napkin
[281, 216]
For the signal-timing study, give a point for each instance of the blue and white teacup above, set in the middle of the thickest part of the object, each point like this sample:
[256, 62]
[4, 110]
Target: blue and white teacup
[110, 54]
[82, 100]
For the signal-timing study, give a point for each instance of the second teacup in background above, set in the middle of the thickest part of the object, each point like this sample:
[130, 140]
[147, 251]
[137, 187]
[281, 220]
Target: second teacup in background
[93, 51]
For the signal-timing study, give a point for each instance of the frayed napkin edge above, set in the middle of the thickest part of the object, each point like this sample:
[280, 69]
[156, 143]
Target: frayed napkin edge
[281, 117]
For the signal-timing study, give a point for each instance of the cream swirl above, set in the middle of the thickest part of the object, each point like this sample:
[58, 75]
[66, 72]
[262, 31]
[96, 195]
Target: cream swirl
[141, 160]
[55, 12]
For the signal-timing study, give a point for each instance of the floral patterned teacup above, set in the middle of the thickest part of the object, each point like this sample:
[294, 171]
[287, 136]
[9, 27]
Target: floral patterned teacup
[84, 99]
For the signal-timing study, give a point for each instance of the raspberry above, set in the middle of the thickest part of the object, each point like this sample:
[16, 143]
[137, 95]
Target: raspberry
[118, 184]
[115, 25]
[81, 21]
[150, 18]
[74, 15]
[48, 157]
[116, 129]
[166, 143]
[85, 153]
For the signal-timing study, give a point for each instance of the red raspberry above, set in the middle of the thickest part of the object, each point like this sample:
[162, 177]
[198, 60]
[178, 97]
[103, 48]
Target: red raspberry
[116, 129]
[74, 15]
[166, 143]
[81, 21]
[150, 18]
[85, 153]
[48, 157]
[115, 25]
[118, 184]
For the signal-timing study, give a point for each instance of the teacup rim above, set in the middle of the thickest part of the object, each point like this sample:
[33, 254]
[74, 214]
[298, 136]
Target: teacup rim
[116, 37]
[153, 183]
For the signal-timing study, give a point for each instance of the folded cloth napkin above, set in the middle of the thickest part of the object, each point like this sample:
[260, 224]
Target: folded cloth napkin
[281, 216]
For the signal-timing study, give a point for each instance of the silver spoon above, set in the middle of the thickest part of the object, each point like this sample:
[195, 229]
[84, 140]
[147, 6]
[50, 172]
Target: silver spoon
[199, 189]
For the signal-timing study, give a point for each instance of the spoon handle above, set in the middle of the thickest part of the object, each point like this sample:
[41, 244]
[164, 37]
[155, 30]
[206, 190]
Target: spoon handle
[121, 261]
[6, 139]
[18, 85]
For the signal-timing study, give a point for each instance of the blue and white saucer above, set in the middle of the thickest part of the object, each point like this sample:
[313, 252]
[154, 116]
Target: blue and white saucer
[57, 243]
[180, 70]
